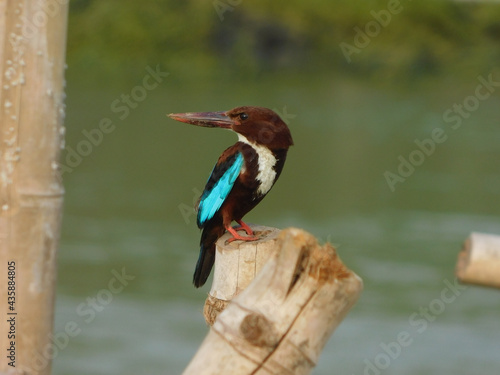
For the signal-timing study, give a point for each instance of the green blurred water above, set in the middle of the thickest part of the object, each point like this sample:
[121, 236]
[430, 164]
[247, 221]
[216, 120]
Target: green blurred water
[127, 210]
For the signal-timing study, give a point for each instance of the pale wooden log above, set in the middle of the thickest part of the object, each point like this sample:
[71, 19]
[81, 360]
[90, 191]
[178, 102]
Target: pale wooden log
[280, 323]
[32, 63]
[236, 265]
[479, 260]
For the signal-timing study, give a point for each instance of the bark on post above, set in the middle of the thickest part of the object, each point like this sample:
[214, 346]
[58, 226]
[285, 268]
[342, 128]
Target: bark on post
[280, 323]
[32, 62]
[479, 260]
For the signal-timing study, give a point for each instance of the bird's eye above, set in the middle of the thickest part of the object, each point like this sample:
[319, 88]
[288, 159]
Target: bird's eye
[243, 116]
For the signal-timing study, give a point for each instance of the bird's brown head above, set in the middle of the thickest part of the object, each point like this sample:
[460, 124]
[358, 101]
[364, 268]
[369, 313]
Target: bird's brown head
[258, 125]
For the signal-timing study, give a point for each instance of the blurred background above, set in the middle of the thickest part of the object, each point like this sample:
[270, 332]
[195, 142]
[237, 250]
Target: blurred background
[394, 110]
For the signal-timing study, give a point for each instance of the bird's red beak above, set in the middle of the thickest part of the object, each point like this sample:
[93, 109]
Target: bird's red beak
[206, 119]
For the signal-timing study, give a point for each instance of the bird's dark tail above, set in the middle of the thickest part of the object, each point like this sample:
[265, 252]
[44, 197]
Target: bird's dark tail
[211, 233]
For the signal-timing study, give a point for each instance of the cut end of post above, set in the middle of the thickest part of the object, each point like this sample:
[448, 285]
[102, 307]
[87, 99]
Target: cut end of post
[281, 322]
[238, 263]
[479, 261]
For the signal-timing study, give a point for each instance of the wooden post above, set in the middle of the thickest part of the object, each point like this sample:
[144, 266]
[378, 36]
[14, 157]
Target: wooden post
[236, 265]
[479, 260]
[280, 323]
[32, 61]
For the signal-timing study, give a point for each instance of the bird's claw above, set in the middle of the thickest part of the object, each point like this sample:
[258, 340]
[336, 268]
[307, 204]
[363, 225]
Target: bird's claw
[241, 238]
[245, 227]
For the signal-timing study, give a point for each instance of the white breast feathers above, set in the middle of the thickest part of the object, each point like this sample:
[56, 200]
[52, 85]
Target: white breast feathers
[266, 160]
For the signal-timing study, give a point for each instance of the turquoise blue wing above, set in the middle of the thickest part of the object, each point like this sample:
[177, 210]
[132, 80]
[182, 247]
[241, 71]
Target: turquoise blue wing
[218, 187]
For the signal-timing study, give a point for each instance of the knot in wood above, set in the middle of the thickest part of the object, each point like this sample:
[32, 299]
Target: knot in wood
[258, 331]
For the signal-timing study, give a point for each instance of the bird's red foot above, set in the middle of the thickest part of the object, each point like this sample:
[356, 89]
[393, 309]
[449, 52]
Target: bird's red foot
[239, 237]
[245, 227]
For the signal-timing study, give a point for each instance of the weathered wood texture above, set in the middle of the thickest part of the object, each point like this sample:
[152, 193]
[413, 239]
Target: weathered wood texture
[280, 323]
[32, 62]
[479, 260]
[236, 266]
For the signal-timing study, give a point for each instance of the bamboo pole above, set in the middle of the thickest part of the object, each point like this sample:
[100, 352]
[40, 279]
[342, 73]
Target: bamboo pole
[479, 260]
[32, 61]
[280, 323]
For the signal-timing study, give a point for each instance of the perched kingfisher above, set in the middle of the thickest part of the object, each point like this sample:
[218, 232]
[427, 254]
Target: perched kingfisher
[242, 177]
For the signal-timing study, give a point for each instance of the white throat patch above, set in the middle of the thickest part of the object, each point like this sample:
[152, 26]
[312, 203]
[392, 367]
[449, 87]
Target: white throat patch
[266, 161]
